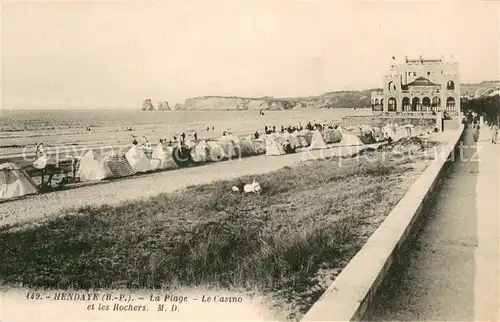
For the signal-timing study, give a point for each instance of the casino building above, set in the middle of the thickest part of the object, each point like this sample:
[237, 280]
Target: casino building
[420, 85]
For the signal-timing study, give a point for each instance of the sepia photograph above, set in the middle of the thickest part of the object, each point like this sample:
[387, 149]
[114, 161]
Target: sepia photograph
[250, 160]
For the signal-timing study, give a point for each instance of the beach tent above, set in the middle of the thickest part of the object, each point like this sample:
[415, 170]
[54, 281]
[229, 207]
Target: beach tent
[259, 146]
[294, 141]
[301, 139]
[229, 146]
[377, 134]
[389, 131]
[332, 136]
[15, 182]
[182, 155]
[41, 162]
[199, 152]
[409, 129]
[273, 145]
[245, 146]
[305, 137]
[349, 138]
[138, 161]
[117, 163]
[148, 151]
[317, 141]
[401, 132]
[366, 134]
[161, 158]
[215, 151]
[93, 168]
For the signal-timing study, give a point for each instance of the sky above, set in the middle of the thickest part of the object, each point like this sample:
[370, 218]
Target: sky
[99, 54]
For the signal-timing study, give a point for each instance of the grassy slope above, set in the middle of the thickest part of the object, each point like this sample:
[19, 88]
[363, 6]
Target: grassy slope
[292, 239]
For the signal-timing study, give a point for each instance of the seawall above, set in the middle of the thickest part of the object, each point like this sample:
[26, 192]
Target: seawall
[355, 289]
[381, 120]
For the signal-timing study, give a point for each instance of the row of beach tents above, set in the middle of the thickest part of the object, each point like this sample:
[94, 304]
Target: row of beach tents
[95, 165]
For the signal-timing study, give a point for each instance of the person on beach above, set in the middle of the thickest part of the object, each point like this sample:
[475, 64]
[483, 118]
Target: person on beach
[37, 150]
[256, 134]
[475, 131]
[494, 133]
[195, 136]
[134, 141]
[145, 142]
[40, 148]
[183, 136]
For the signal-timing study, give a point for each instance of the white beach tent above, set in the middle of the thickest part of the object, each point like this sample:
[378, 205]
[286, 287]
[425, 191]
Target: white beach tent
[199, 152]
[349, 138]
[389, 131]
[317, 141]
[294, 141]
[93, 168]
[41, 162]
[273, 147]
[117, 163]
[138, 160]
[161, 158]
[215, 151]
[15, 182]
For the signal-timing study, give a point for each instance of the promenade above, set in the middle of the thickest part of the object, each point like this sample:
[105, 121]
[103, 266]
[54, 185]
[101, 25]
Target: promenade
[452, 270]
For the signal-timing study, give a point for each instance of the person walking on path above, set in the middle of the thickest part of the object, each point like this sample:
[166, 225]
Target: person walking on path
[494, 133]
[475, 131]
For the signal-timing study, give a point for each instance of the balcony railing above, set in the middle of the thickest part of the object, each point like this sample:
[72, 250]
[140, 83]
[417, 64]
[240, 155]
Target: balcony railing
[430, 92]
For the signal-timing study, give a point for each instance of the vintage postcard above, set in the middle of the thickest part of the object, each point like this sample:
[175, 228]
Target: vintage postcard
[249, 160]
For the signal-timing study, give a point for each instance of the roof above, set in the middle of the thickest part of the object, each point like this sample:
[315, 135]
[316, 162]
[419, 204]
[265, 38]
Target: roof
[422, 81]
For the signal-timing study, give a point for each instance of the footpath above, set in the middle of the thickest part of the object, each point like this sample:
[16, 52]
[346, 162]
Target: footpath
[452, 271]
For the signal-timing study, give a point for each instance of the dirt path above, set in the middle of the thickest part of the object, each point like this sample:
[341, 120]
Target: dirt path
[453, 268]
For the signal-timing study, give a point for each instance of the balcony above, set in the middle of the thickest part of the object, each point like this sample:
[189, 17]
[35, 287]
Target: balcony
[422, 92]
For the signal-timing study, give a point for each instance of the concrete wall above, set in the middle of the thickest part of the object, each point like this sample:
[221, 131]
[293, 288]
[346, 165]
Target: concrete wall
[355, 289]
[425, 121]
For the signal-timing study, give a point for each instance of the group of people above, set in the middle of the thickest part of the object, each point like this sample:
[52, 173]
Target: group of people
[311, 126]
[476, 127]
[268, 129]
[145, 141]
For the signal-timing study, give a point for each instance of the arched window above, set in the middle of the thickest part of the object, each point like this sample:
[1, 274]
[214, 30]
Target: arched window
[391, 86]
[426, 103]
[406, 104]
[376, 105]
[450, 104]
[436, 103]
[381, 104]
[450, 85]
[391, 102]
[415, 104]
